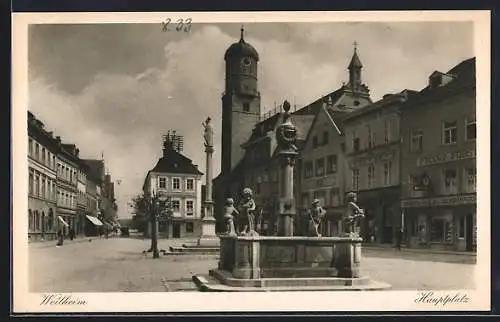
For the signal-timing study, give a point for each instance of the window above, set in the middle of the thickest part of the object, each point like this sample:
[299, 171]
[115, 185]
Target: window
[470, 175]
[53, 191]
[189, 207]
[37, 220]
[334, 197]
[189, 227]
[53, 162]
[370, 137]
[30, 220]
[37, 151]
[470, 128]
[176, 184]
[331, 164]
[461, 228]
[387, 129]
[30, 182]
[355, 142]
[387, 173]
[37, 184]
[320, 167]
[176, 205]
[315, 141]
[30, 147]
[308, 169]
[246, 107]
[450, 132]
[441, 230]
[162, 183]
[325, 138]
[320, 195]
[450, 181]
[189, 184]
[355, 179]
[305, 199]
[43, 187]
[43, 155]
[371, 176]
[417, 140]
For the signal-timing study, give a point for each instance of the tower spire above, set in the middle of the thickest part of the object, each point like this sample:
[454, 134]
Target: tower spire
[242, 32]
[355, 67]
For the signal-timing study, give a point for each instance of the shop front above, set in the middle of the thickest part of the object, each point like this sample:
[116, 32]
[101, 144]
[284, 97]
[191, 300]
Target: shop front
[382, 215]
[441, 223]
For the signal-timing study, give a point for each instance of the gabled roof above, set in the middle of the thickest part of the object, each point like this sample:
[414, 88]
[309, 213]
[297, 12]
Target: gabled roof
[464, 75]
[174, 162]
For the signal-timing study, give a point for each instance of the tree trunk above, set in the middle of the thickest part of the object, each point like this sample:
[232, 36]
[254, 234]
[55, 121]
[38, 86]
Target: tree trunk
[154, 238]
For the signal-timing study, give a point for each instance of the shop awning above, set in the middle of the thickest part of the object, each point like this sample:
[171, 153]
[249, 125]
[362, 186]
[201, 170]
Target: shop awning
[62, 221]
[94, 220]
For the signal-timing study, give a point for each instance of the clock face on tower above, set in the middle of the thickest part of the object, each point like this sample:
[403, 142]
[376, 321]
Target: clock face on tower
[245, 64]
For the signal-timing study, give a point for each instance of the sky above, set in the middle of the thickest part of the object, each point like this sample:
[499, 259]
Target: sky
[115, 89]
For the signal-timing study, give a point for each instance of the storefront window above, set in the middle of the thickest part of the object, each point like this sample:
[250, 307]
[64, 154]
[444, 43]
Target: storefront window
[189, 227]
[461, 231]
[441, 230]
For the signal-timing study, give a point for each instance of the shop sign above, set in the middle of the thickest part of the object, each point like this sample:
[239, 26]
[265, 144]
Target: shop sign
[441, 201]
[446, 157]
[372, 159]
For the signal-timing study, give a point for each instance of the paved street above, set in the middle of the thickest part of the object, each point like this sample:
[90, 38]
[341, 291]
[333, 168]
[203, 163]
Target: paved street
[118, 265]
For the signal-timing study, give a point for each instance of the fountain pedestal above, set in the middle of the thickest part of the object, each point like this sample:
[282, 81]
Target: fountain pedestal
[272, 263]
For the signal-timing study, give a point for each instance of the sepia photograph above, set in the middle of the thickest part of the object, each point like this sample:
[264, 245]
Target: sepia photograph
[169, 155]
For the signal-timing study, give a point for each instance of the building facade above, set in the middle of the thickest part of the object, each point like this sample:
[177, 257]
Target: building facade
[439, 162]
[175, 177]
[42, 160]
[67, 188]
[372, 165]
[94, 181]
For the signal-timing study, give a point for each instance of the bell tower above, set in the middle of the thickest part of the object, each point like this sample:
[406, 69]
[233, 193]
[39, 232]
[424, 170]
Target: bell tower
[240, 101]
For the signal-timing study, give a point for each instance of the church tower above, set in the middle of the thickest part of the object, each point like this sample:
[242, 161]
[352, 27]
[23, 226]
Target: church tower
[240, 101]
[355, 83]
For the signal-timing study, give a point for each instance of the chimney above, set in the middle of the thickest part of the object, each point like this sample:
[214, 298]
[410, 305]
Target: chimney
[58, 139]
[77, 153]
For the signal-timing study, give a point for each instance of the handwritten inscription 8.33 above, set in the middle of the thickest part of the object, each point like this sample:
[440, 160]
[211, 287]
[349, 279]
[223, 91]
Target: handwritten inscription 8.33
[180, 25]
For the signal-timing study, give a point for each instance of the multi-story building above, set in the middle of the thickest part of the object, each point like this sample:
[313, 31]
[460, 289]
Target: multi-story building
[321, 162]
[372, 165]
[439, 161]
[95, 178]
[42, 160]
[67, 186]
[175, 177]
[81, 200]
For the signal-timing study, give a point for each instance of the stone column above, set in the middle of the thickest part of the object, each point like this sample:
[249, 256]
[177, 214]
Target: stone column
[208, 236]
[286, 135]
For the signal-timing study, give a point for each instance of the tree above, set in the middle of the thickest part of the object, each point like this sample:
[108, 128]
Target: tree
[149, 209]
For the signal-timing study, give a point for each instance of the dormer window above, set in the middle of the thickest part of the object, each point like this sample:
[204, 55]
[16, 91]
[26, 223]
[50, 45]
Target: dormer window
[439, 79]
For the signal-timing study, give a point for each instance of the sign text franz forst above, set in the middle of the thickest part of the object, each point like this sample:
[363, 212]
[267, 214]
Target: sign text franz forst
[441, 201]
[446, 157]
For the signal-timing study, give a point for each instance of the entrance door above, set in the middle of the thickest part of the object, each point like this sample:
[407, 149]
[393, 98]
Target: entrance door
[468, 232]
[176, 231]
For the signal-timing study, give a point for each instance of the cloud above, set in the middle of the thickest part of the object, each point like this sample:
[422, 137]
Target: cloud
[125, 113]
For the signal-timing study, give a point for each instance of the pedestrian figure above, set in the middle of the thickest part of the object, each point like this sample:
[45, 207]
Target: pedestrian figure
[71, 233]
[60, 238]
[399, 239]
[229, 213]
[316, 214]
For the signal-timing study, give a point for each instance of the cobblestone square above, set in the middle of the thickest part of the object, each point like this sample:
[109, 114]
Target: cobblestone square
[119, 265]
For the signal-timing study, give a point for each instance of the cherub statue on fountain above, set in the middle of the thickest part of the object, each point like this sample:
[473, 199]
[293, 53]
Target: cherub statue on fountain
[316, 214]
[352, 215]
[229, 213]
[248, 207]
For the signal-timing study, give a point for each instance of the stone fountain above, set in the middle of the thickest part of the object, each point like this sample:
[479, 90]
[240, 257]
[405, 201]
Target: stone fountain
[285, 262]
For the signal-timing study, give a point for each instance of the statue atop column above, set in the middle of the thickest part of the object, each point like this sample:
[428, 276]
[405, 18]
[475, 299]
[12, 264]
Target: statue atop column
[286, 133]
[229, 213]
[209, 133]
[248, 207]
[316, 214]
[352, 215]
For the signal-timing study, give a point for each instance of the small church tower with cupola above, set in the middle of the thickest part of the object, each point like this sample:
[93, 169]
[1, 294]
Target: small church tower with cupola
[240, 101]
